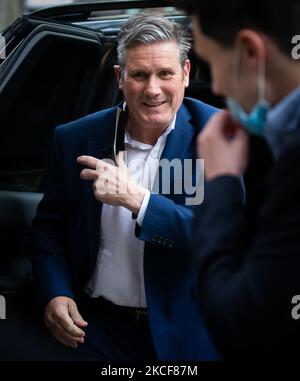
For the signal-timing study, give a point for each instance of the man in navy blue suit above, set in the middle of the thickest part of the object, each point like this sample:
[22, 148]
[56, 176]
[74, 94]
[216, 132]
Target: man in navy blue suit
[249, 269]
[110, 245]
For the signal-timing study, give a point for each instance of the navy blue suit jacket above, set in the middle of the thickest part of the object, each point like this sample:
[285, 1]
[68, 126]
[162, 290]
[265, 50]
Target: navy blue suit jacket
[249, 268]
[66, 232]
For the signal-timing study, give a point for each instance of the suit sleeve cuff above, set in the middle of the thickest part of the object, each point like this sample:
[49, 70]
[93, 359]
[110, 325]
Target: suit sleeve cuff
[143, 208]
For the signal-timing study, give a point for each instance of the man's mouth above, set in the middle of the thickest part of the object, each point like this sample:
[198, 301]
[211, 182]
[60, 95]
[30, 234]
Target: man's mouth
[156, 104]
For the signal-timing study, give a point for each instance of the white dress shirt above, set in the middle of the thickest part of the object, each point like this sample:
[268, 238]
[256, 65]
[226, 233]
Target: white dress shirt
[119, 271]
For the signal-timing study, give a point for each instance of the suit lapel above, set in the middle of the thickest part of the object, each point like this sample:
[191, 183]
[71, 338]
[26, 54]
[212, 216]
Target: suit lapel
[180, 138]
[178, 142]
[101, 148]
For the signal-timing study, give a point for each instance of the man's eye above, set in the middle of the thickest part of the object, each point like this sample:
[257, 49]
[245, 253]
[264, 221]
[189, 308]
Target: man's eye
[165, 74]
[139, 76]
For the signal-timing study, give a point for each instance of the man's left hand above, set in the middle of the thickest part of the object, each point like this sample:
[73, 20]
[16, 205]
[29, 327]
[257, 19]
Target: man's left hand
[113, 185]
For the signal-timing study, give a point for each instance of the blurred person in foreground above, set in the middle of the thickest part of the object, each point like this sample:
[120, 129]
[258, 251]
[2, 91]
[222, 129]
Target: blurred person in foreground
[248, 275]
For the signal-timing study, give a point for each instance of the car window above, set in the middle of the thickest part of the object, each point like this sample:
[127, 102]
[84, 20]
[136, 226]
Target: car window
[43, 84]
[126, 13]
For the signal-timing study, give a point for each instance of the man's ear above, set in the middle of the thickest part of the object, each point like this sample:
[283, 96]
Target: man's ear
[118, 75]
[251, 46]
[186, 72]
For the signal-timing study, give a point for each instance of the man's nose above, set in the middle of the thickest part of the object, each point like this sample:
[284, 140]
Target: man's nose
[153, 87]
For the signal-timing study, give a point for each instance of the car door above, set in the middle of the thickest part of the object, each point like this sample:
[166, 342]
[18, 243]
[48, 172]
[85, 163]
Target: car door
[47, 78]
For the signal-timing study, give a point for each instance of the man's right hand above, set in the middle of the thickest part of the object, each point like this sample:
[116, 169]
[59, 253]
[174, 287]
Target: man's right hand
[62, 318]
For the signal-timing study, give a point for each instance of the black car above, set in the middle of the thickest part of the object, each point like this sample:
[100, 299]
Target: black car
[56, 66]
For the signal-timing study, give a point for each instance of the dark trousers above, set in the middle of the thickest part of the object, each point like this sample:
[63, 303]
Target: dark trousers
[114, 332]
[23, 334]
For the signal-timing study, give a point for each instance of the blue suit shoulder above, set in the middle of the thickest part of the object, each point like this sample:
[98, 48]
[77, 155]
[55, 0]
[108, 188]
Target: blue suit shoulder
[88, 127]
[199, 110]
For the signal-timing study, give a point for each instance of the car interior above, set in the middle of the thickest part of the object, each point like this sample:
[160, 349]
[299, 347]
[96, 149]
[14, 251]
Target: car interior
[58, 67]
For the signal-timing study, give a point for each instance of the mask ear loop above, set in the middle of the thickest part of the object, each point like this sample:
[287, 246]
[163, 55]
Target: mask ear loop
[261, 75]
[236, 69]
[262, 81]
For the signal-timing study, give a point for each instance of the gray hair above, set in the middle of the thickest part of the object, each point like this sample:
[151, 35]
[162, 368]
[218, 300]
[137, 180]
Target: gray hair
[148, 28]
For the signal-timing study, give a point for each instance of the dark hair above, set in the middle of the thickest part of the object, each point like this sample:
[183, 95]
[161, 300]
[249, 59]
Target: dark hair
[222, 19]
